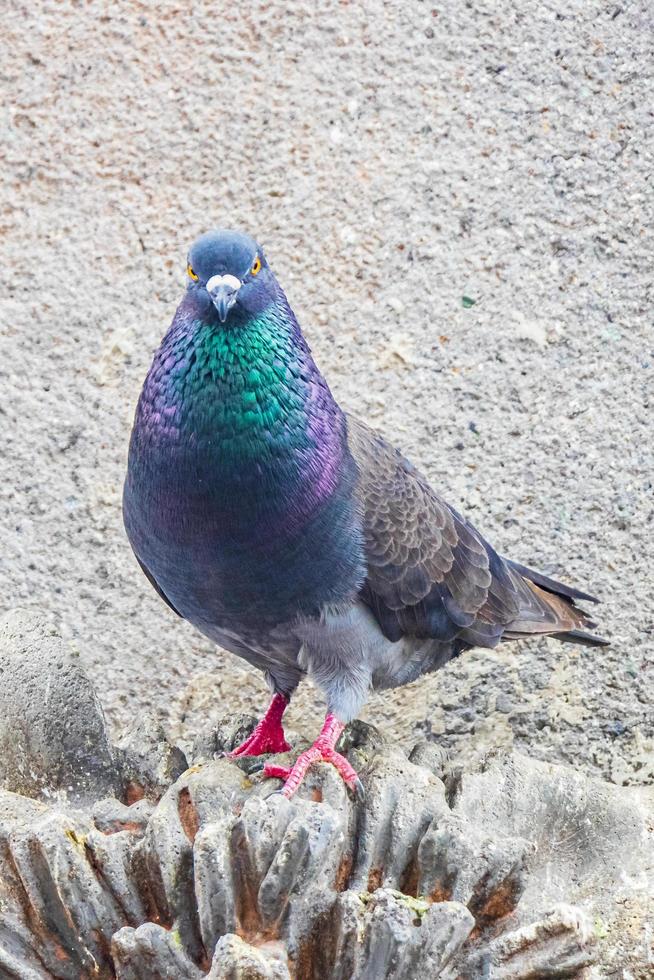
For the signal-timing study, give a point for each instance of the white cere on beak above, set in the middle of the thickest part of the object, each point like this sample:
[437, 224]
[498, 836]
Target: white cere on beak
[230, 281]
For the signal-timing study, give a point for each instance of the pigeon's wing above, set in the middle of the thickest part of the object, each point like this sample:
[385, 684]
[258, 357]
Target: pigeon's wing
[155, 585]
[429, 572]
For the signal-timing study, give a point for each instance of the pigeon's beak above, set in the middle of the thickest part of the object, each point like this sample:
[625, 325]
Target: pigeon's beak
[223, 291]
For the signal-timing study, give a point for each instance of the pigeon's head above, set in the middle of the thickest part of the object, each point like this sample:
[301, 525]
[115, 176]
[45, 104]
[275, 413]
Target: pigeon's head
[228, 273]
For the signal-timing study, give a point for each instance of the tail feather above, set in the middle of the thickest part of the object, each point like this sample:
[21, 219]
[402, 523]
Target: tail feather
[584, 639]
[548, 608]
[550, 584]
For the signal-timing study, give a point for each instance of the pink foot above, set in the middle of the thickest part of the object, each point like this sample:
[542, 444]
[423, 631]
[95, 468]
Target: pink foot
[268, 736]
[322, 750]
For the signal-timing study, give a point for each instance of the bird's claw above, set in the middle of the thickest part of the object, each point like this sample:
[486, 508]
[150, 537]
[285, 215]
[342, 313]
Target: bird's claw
[358, 789]
[276, 772]
[293, 776]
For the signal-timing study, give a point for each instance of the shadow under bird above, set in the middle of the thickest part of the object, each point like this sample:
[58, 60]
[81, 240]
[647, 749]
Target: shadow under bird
[291, 533]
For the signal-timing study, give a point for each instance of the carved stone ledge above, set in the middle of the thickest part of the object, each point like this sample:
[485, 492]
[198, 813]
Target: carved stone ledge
[517, 869]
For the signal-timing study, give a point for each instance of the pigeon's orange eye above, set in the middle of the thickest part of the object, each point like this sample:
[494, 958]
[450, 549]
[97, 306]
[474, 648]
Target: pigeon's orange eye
[256, 266]
[191, 273]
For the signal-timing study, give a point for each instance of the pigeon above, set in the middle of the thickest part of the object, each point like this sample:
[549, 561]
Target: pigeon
[294, 535]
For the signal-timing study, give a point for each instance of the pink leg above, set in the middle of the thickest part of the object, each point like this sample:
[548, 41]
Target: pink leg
[268, 736]
[322, 750]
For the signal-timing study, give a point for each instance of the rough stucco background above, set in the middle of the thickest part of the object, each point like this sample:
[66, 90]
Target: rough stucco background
[393, 158]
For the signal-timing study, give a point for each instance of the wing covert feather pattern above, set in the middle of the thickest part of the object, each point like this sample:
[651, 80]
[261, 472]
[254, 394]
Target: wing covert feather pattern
[430, 573]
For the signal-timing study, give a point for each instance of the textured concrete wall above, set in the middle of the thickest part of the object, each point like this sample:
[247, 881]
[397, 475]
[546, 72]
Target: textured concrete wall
[393, 158]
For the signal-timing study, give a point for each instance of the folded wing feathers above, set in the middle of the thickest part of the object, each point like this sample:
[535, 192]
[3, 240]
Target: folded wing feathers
[430, 573]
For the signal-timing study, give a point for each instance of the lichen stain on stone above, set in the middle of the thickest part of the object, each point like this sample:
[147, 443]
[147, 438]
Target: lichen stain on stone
[375, 879]
[61, 953]
[75, 839]
[122, 826]
[188, 815]
[440, 894]
[418, 905]
[343, 873]
[410, 878]
[500, 903]
[193, 769]
[245, 888]
[133, 792]
[315, 959]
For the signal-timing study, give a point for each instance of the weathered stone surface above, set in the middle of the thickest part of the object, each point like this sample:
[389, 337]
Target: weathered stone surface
[53, 740]
[432, 757]
[111, 816]
[515, 870]
[593, 845]
[391, 935]
[229, 733]
[401, 802]
[148, 762]
[49, 888]
[235, 959]
[560, 945]
[151, 953]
